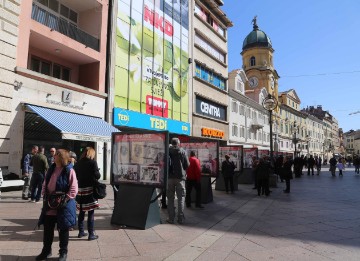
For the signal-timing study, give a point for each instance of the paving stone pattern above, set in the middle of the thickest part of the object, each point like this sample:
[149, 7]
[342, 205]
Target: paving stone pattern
[318, 220]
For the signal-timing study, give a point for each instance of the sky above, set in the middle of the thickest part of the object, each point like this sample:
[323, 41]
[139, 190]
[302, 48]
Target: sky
[317, 49]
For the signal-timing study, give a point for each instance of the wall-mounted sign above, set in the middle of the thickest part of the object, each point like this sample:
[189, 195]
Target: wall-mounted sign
[212, 133]
[66, 96]
[134, 119]
[210, 109]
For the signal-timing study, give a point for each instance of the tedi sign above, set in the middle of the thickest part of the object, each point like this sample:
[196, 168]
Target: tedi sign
[210, 109]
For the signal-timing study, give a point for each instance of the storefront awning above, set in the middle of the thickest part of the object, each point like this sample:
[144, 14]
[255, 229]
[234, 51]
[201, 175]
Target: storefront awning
[76, 126]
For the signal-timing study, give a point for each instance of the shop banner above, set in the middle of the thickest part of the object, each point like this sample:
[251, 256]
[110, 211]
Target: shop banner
[133, 119]
[263, 153]
[151, 71]
[210, 109]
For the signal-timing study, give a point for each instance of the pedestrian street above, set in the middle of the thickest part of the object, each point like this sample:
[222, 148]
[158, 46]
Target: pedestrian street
[318, 220]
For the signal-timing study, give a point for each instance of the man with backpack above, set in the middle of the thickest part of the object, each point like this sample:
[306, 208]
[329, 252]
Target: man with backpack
[178, 164]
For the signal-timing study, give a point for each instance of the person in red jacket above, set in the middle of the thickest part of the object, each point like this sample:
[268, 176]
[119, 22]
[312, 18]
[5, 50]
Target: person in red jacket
[193, 179]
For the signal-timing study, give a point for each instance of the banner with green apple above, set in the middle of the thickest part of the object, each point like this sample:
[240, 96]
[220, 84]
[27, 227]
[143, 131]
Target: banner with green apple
[151, 71]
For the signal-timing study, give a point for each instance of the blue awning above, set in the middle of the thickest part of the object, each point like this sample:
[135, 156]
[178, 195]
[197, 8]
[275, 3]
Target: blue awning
[76, 126]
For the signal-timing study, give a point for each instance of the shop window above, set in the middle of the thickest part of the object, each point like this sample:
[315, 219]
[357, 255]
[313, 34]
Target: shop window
[252, 61]
[210, 76]
[209, 48]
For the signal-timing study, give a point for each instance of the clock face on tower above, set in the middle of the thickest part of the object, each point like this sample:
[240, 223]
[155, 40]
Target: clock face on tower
[253, 82]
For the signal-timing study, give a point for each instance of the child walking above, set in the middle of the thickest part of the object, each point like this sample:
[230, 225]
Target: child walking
[340, 166]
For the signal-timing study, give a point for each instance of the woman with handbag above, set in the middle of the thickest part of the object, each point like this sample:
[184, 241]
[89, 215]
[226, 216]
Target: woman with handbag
[59, 190]
[87, 173]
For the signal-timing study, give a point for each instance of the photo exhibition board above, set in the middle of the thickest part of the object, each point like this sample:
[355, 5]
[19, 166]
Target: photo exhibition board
[249, 153]
[139, 158]
[235, 153]
[206, 152]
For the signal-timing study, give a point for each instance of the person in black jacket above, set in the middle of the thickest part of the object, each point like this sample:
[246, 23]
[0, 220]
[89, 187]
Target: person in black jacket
[228, 171]
[311, 164]
[87, 173]
[176, 180]
[262, 175]
[287, 172]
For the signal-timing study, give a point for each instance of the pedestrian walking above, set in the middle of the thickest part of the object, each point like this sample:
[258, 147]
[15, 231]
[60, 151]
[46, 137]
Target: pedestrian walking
[262, 174]
[310, 165]
[27, 172]
[287, 173]
[176, 180]
[228, 171]
[340, 166]
[60, 179]
[333, 162]
[318, 161]
[40, 166]
[87, 173]
[50, 158]
[193, 180]
[298, 166]
[278, 167]
[356, 163]
[253, 170]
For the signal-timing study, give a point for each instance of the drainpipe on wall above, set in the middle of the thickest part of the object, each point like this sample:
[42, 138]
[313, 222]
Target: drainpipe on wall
[108, 80]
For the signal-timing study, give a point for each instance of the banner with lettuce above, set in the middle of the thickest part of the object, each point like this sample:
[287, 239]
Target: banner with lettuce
[151, 72]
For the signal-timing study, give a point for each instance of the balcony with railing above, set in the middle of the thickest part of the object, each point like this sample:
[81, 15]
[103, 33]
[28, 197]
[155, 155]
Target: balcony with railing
[63, 26]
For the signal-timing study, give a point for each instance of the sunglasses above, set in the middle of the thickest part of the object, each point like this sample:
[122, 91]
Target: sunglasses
[52, 150]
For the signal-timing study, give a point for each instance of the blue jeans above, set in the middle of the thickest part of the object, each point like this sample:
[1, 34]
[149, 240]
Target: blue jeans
[90, 221]
[178, 186]
[37, 180]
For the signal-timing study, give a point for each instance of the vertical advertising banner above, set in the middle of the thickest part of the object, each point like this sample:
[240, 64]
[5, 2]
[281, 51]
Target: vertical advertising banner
[151, 70]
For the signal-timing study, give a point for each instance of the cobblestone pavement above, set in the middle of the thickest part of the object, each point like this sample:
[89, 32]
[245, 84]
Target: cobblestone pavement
[318, 220]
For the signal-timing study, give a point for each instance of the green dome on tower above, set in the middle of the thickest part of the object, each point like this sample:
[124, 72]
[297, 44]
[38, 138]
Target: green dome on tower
[256, 38]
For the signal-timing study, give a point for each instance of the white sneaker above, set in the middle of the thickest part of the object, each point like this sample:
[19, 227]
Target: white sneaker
[33, 201]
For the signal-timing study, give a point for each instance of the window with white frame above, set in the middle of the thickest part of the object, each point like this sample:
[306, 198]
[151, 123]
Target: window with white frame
[242, 132]
[234, 106]
[235, 130]
[248, 133]
[242, 110]
[240, 86]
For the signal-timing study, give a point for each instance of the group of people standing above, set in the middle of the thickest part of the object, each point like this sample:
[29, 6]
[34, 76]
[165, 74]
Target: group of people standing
[60, 174]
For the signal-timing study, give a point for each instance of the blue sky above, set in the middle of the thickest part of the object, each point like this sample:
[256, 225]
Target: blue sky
[310, 37]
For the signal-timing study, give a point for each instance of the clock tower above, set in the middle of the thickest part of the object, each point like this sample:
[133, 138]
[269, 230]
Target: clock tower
[257, 55]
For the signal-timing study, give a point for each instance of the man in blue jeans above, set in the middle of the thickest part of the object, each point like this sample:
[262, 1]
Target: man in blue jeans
[40, 166]
[178, 164]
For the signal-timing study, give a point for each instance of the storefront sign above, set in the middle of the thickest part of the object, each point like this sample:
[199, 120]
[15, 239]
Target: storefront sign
[83, 137]
[134, 119]
[206, 132]
[210, 109]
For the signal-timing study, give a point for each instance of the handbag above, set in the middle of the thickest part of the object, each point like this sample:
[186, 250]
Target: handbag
[99, 190]
[57, 200]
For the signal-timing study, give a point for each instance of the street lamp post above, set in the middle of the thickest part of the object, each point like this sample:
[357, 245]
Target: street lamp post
[308, 138]
[269, 104]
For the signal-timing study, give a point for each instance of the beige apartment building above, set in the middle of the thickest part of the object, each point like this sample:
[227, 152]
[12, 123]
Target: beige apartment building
[209, 52]
[52, 71]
